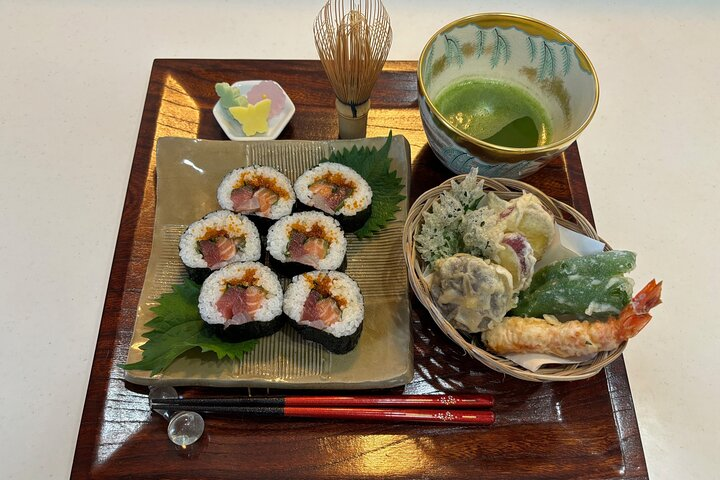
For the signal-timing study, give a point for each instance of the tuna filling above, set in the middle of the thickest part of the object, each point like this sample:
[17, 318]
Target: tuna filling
[246, 199]
[305, 249]
[320, 312]
[329, 197]
[218, 250]
[239, 305]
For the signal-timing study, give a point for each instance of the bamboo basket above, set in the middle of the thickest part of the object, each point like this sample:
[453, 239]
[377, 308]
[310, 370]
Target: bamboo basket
[506, 189]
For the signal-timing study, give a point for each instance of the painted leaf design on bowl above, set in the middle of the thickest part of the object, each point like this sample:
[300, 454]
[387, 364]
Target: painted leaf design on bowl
[458, 160]
[501, 49]
[480, 47]
[461, 161]
[532, 49]
[567, 62]
[461, 47]
[428, 65]
[547, 62]
[453, 51]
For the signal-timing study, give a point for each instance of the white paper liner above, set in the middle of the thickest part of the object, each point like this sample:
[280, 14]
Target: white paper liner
[568, 243]
[533, 361]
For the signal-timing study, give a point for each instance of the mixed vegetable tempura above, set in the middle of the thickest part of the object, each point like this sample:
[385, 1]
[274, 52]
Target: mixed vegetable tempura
[481, 253]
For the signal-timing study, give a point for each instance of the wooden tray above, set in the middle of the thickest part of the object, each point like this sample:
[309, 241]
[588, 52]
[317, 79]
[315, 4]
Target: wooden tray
[584, 429]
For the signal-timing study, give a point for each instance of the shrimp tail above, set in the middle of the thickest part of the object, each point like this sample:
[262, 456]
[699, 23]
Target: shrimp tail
[636, 314]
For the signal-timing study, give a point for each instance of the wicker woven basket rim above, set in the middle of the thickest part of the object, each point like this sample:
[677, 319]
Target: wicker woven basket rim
[506, 189]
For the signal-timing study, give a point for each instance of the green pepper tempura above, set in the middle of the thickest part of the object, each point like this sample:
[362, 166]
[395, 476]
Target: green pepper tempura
[581, 287]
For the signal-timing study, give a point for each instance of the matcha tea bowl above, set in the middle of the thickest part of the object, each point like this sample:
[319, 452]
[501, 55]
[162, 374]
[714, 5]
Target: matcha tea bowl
[503, 93]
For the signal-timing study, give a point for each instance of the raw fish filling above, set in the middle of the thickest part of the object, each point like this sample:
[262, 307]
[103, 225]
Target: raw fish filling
[219, 249]
[305, 249]
[319, 311]
[247, 199]
[238, 304]
[329, 196]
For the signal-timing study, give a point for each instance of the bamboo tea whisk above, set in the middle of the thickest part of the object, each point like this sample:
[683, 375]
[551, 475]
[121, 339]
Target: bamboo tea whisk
[353, 40]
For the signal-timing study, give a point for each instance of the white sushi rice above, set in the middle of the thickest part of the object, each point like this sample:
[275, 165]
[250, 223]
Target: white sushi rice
[215, 285]
[234, 224]
[360, 199]
[279, 235]
[241, 176]
[342, 286]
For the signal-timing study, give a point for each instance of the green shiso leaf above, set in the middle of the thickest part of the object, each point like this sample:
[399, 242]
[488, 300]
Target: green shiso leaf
[178, 328]
[175, 308]
[374, 166]
[234, 351]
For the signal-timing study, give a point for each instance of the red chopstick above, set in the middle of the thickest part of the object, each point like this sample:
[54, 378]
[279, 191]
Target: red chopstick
[427, 415]
[417, 401]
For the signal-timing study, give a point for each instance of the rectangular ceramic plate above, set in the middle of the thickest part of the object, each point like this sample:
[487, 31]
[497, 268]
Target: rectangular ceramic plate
[188, 173]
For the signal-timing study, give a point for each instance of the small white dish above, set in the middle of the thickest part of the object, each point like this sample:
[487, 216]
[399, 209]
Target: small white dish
[233, 129]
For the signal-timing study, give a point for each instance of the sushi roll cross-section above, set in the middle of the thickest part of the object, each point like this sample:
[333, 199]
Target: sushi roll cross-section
[242, 301]
[326, 307]
[306, 241]
[257, 190]
[337, 190]
[216, 240]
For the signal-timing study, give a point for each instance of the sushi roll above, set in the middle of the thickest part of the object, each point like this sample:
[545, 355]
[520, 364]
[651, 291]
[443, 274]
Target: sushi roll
[338, 191]
[326, 307]
[242, 301]
[262, 192]
[306, 241]
[216, 240]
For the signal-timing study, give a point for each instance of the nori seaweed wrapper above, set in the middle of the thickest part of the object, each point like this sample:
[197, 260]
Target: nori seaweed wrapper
[349, 223]
[198, 275]
[337, 345]
[247, 331]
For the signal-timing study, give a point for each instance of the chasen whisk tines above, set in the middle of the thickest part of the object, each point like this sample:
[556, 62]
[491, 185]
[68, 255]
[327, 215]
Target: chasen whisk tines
[353, 39]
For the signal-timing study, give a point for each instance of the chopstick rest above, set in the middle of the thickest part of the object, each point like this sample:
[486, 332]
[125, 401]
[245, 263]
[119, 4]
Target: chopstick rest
[184, 427]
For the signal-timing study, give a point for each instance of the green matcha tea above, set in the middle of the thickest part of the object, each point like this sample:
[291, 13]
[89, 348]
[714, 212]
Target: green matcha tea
[495, 112]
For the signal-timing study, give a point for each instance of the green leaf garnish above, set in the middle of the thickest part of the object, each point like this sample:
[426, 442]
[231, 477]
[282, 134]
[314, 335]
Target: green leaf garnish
[178, 328]
[230, 96]
[374, 166]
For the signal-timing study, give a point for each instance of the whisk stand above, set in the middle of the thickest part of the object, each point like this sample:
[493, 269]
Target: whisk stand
[352, 119]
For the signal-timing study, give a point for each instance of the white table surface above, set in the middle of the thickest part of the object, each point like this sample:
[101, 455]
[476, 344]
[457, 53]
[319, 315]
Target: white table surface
[73, 77]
